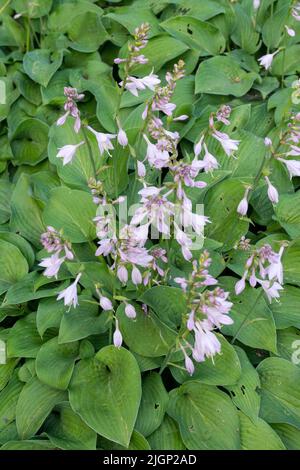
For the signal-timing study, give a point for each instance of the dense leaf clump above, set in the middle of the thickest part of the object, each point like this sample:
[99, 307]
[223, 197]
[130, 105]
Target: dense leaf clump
[139, 341]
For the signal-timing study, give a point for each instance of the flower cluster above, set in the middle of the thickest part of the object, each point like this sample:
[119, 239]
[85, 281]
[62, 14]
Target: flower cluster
[59, 248]
[208, 310]
[263, 262]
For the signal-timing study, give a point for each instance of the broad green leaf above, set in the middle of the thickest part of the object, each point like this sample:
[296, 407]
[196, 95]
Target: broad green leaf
[280, 391]
[291, 263]
[288, 344]
[289, 435]
[23, 339]
[71, 211]
[224, 369]
[86, 31]
[137, 442]
[285, 311]
[106, 391]
[253, 320]
[41, 64]
[197, 34]
[67, 431]
[244, 393]
[26, 214]
[34, 444]
[6, 371]
[5, 195]
[220, 205]
[8, 401]
[167, 436]
[35, 9]
[81, 322]
[153, 404]
[24, 247]
[29, 142]
[206, 416]
[258, 435]
[287, 213]
[168, 303]
[49, 315]
[55, 363]
[35, 402]
[146, 335]
[222, 76]
[274, 24]
[13, 265]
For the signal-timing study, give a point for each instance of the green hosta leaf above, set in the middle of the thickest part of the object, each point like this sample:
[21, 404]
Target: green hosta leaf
[71, 211]
[29, 142]
[253, 320]
[197, 34]
[274, 24]
[41, 64]
[280, 392]
[244, 34]
[258, 435]
[23, 339]
[225, 369]
[223, 76]
[49, 315]
[8, 401]
[291, 263]
[34, 9]
[35, 402]
[55, 363]
[286, 312]
[26, 214]
[6, 371]
[106, 391]
[244, 393]
[146, 335]
[287, 213]
[87, 33]
[288, 343]
[67, 431]
[289, 435]
[13, 265]
[129, 17]
[167, 436]
[221, 204]
[34, 444]
[168, 303]
[206, 416]
[137, 442]
[82, 322]
[5, 196]
[24, 247]
[153, 404]
[11, 94]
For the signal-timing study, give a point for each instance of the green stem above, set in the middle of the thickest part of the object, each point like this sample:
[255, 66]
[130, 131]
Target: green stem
[90, 152]
[166, 360]
[246, 317]
[27, 34]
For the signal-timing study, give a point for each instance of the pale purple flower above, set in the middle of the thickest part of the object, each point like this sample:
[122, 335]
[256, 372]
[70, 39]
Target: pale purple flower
[206, 343]
[70, 293]
[290, 31]
[256, 4]
[134, 85]
[141, 169]
[272, 192]
[189, 365]
[191, 321]
[122, 274]
[156, 157]
[209, 162]
[182, 117]
[52, 264]
[118, 60]
[271, 289]
[198, 146]
[117, 337]
[229, 145]
[182, 282]
[275, 269]
[296, 11]
[184, 241]
[294, 152]
[293, 166]
[223, 114]
[136, 276]
[266, 60]
[268, 142]
[130, 311]
[240, 285]
[243, 205]
[122, 137]
[156, 209]
[165, 107]
[105, 303]
[68, 152]
[103, 140]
